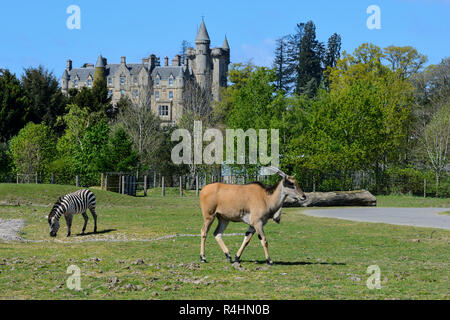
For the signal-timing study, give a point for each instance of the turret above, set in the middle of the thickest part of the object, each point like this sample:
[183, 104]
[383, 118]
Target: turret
[202, 56]
[100, 66]
[65, 81]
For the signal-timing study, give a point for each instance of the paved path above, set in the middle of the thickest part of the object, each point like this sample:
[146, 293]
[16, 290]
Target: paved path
[419, 217]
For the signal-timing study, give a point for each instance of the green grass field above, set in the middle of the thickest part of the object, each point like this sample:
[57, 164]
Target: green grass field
[314, 258]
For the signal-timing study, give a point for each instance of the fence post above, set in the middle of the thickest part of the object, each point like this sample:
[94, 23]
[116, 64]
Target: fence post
[424, 188]
[102, 181]
[181, 186]
[53, 178]
[123, 185]
[17, 178]
[163, 190]
[154, 179]
[77, 181]
[196, 185]
[106, 182]
[145, 185]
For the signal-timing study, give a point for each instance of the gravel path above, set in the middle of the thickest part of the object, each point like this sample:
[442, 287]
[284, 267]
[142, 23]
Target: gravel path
[10, 228]
[419, 217]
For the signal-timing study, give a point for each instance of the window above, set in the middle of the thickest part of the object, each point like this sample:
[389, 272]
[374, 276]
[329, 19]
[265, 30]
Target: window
[122, 81]
[75, 83]
[170, 82]
[109, 81]
[157, 95]
[122, 93]
[135, 93]
[157, 81]
[109, 93]
[89, 83]
[134, 80]
[163, 111]
[170, 95]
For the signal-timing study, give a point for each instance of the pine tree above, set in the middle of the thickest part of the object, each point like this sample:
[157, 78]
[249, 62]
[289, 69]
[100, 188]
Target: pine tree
[281, 64]
[293, 55]
[310, 58]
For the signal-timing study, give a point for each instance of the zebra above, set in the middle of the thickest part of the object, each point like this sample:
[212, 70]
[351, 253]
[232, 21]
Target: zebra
[70, 204]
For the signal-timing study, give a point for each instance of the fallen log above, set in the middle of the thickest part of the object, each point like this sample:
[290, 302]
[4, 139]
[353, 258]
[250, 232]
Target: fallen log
[359, 198]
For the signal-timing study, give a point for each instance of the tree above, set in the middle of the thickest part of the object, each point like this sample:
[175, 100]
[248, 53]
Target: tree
[121, 156]
[91, 156]
[33, 149]
[46, 99]
[309, 69]
[183, 50]
[14, 105]
[333, 51]
[435, 142]
[405, 60]
[293, 55]
[280, 64]
[143, 126]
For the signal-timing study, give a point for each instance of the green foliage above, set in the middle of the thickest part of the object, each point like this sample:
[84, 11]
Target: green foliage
[91, 155]
[121, 156]
[32, 150]
[42, 90]
[14, 105]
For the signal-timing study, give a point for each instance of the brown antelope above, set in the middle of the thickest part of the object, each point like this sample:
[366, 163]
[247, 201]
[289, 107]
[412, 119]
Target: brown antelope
[253, 204]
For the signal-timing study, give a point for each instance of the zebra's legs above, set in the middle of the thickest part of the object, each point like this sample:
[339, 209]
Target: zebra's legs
[94, 215]
[69, 223]
[86, 218]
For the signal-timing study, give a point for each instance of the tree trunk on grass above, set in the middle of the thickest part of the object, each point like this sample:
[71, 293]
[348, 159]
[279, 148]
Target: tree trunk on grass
[360, 198]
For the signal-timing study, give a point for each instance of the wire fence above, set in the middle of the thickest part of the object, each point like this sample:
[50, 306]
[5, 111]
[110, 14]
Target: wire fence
[405, 181]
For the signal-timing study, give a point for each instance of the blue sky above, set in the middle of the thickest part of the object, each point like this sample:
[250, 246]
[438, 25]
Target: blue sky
[35, 32]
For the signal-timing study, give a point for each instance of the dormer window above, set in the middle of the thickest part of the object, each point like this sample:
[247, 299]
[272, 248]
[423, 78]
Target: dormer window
[75, 83]
[157, 81]
[89, 83]
[122, 81]
[157, 95]
[109, 81]
[170, 81]
[134, 80]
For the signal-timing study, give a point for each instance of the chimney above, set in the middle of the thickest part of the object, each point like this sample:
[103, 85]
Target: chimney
[166, 61]
[123, 60]
[69, 65]
[176, 61]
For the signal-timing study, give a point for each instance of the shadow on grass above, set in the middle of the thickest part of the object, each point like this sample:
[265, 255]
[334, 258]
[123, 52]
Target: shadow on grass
[296, 263]
[98, 232]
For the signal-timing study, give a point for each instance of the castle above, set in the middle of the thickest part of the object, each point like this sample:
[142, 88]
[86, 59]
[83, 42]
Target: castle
[165, 85]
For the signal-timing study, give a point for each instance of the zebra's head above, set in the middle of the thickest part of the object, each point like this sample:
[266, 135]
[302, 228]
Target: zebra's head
[53, 221]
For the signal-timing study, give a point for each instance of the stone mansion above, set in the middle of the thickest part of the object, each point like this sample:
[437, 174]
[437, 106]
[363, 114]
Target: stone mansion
[205, 66]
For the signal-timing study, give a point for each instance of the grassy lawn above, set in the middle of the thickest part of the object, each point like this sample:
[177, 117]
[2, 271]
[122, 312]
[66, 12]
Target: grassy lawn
[314, 258]
[412, 202]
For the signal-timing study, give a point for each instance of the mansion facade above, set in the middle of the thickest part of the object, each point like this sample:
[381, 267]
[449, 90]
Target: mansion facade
[164, 85]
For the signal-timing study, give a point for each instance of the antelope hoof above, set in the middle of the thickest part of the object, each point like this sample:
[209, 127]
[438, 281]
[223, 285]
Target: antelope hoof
[269, 262]
[237, 259]
[202, 259]
[277, 221]
[228, 257]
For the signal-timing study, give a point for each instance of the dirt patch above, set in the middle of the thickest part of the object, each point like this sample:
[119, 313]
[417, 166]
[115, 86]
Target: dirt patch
[10, 228]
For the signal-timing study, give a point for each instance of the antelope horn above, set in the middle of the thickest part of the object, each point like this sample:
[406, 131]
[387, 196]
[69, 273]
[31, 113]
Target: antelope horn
[278, 171]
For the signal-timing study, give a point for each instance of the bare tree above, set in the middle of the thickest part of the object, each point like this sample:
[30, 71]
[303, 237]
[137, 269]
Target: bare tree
[142, 125]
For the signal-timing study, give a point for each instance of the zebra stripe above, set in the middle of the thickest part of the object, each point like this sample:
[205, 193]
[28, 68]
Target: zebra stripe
[73, 203]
